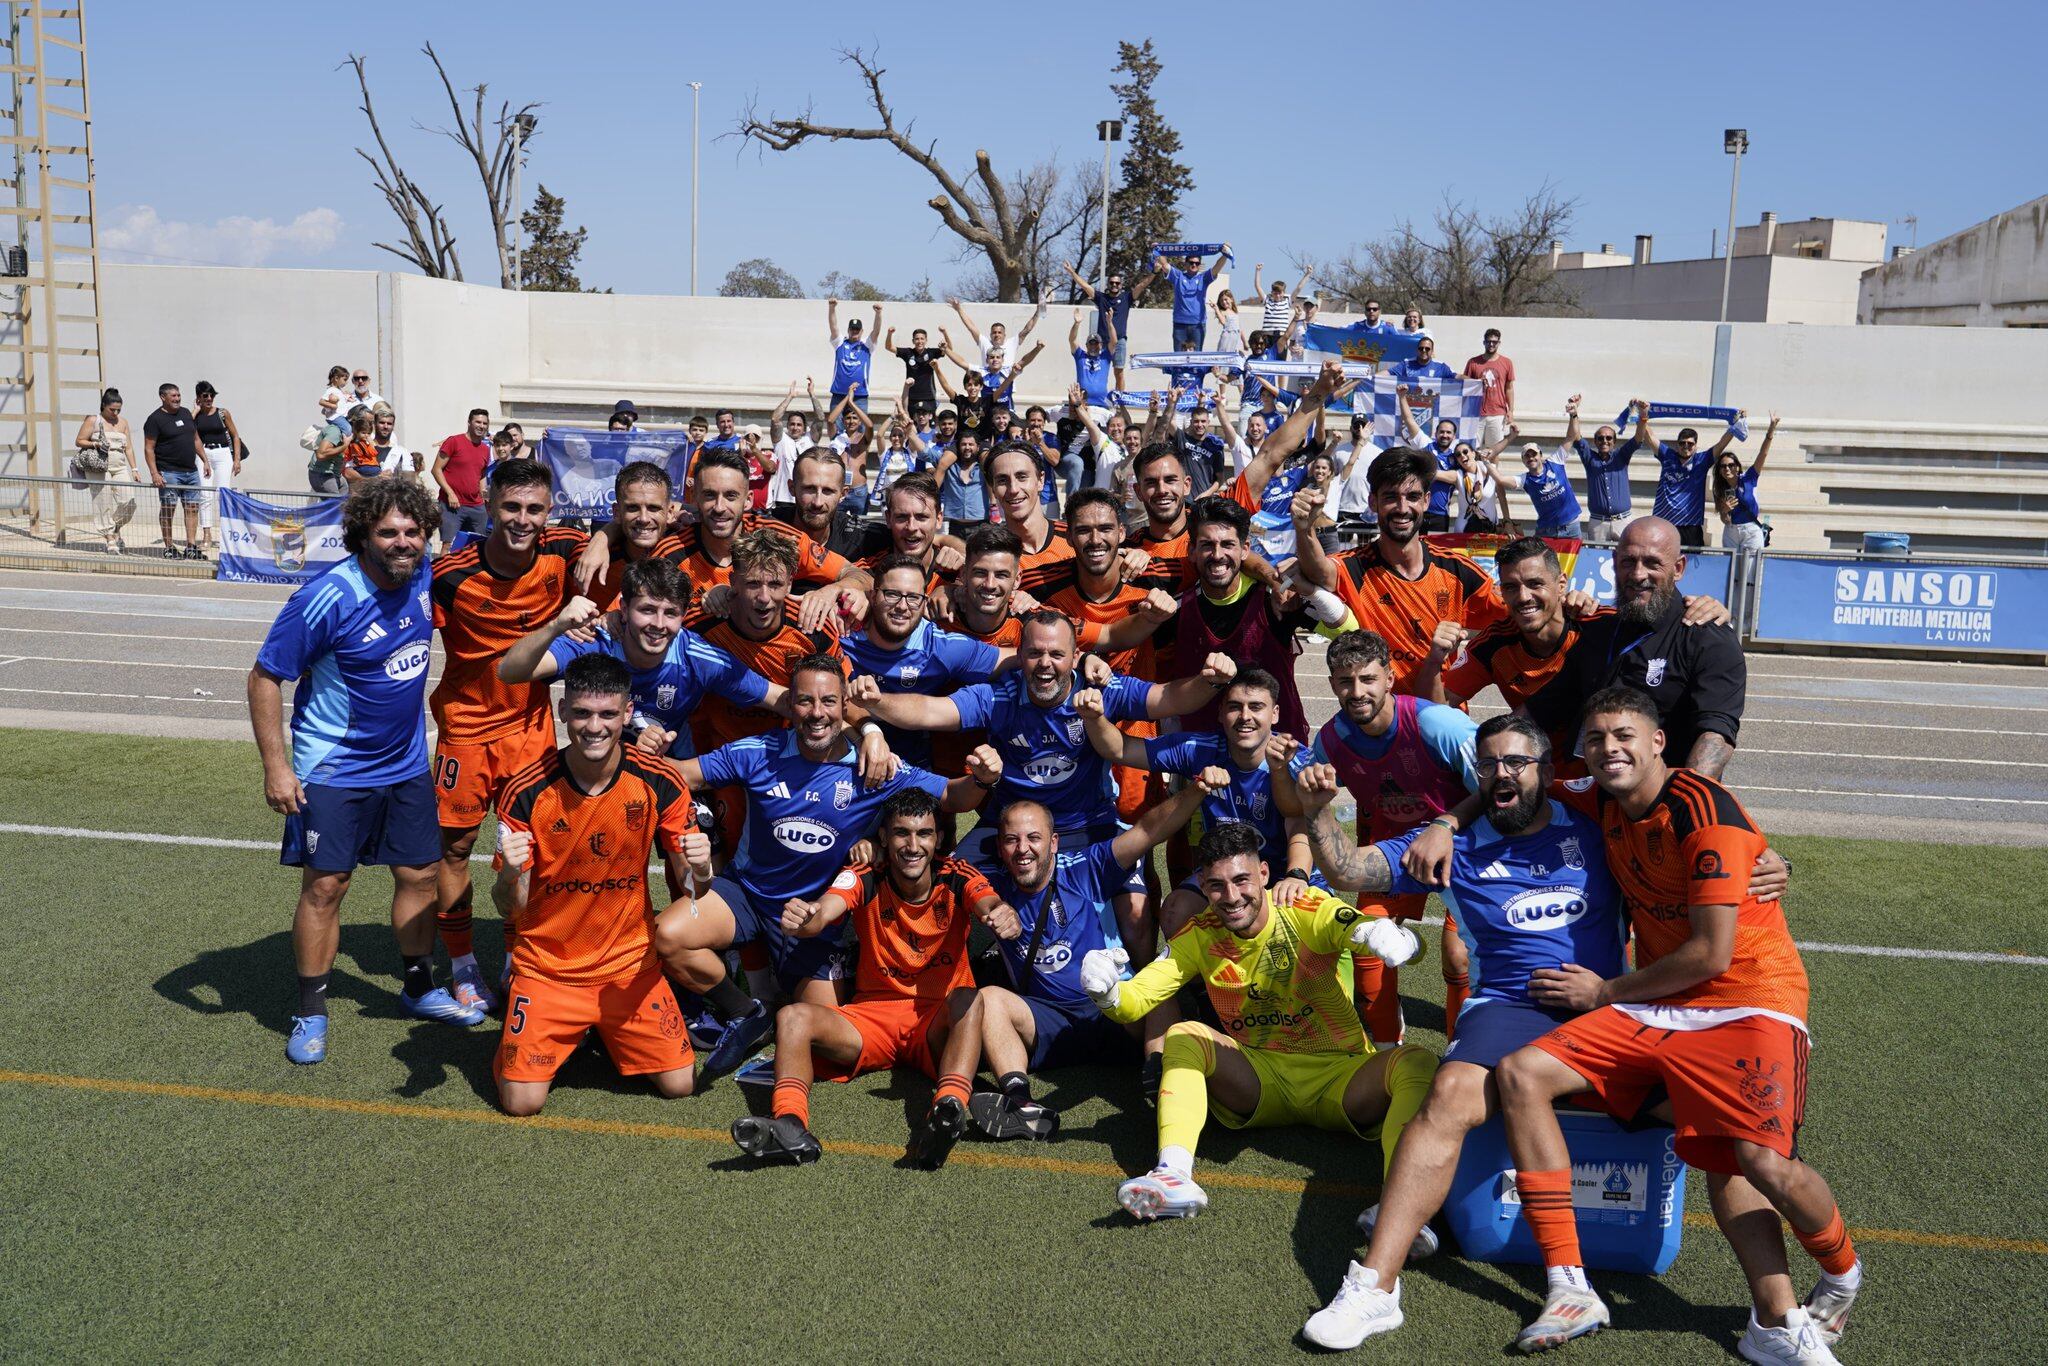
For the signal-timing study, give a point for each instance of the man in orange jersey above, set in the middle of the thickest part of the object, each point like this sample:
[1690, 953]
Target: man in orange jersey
[578, 827]
[911, 910]
[642, 499]
[912, 526]
[1015, 478]
[1714, 1015]
[1396, 585]
[486, 596]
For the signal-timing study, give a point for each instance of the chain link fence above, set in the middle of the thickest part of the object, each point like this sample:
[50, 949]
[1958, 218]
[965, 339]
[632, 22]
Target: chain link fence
[105, 523]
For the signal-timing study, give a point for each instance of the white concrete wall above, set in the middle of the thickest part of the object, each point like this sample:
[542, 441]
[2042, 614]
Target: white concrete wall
[454, 347]
[1992, 275]
[1773, 289]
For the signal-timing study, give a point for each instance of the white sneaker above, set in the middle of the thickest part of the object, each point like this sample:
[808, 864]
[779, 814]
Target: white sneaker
[1425, 1242]
[1162, 1194]
[1359, 1310]
[1829, 1309]
[1798, 1342]
[1567, 1314]
[467, 986]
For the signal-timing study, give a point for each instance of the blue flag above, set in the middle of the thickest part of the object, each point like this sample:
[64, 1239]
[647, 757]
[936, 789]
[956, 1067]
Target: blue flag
[585, 463]
[266, 543]
[1698, 411]
[1375, 344]
[1430, 401]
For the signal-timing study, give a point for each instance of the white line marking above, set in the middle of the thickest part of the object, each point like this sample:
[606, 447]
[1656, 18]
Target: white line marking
[1914, 683]
[135, 696]
[1896, 796]
[127, 663]
[1902, 758]
[133, 639]
[1920, 702]
[1885, 725]
[153, 616]
[215, 842]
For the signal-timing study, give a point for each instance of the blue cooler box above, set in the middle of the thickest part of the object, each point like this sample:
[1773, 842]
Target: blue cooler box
[1628, 1190]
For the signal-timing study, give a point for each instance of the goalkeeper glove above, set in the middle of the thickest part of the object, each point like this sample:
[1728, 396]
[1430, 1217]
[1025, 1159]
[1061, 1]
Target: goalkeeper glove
[1394, 944]
[1101, 970]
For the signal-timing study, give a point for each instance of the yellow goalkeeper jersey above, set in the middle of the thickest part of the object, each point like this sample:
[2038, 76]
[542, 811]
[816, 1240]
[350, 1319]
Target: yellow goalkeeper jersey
[1286, 988]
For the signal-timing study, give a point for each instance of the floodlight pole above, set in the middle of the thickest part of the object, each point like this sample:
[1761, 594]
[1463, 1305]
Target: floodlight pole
[522, 125]
[1110, 131]
[696, 104]
[1734, 141]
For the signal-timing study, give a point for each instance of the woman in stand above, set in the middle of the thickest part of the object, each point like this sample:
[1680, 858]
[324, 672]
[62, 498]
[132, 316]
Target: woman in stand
[1742, 528]
[221, 451]
[106, 463]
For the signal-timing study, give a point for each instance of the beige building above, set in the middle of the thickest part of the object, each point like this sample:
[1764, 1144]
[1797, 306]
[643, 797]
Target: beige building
[1806, 271]
[1994, 274]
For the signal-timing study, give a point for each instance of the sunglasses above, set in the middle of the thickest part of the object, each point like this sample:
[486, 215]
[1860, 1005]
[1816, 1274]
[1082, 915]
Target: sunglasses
[362, 379]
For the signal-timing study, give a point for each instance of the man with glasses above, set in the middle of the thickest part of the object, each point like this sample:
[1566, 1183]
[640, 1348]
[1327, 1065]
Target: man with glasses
[360, 391]
[1605, 459]
[1425, 366]
[906, 653]
[1684, 467]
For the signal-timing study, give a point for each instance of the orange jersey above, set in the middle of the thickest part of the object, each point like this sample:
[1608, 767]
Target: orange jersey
[934, 579]
[589, 914]
[915, 949]
[1173, 564]
[1695, 847]
[1498, 655]
[480, 616]
[1063, 593]
[1404, 612]
[1035, 568]
[815, 565]
[717, 721]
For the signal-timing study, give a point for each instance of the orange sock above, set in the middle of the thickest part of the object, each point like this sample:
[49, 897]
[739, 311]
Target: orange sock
[1378, 989]
[454, 926]
[1547, 1205]
[792, 1097]
[1456, 989]
[1831, 1246]
[954, 1085]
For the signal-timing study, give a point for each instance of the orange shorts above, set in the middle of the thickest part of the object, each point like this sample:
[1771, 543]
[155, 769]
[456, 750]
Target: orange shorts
[637, 1017]
[1138, 790]
[467, 777]
[894, 1031]
[1744, 1080]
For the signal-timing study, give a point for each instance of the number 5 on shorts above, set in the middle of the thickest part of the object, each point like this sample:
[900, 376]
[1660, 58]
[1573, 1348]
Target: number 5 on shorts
[447, 771]
[515, 1018]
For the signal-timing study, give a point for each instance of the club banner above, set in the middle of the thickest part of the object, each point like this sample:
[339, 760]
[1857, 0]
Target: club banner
[1189, 360]
[1374, 344]
[1188, 249]
[585, 463]
[1698, 412]
[1481, 545]
[264, 543]
[1430, 400]
[1926, 603]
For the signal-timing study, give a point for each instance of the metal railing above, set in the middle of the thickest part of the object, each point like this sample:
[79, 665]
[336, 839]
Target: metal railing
[74, 523]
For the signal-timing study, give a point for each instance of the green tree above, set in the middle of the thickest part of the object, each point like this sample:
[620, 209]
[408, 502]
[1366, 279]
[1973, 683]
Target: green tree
[760, 278]
[1145, 207]
[547, 260]
[850, 287]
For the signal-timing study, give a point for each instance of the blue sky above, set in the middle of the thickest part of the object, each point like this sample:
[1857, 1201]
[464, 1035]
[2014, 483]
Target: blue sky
[248, 157]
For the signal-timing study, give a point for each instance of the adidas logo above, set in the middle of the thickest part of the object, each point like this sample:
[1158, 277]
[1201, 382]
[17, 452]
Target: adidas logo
[780, 790]
[560, 827]
[1493, 870]
[375, 633]
[1771, 1126]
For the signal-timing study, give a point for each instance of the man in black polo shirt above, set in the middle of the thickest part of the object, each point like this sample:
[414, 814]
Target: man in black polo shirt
[1695, 674]
[918, 359]
[170, 446]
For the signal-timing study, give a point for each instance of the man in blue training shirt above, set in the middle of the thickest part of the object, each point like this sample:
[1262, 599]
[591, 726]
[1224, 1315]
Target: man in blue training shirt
[354, 787]
[906, 653]
[1605, 458]
[1425, 366]
[1682, 485]
[1091, 365]
[806, 809]
[852, 356]
[1190, 296]
[1550, 492]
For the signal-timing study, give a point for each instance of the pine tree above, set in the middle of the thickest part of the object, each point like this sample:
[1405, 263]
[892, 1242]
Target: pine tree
[1146, 206]
[547, 260]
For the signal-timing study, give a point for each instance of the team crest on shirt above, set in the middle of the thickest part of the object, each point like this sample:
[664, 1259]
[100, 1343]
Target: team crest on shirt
[665, 696]
[1759, 1087]
[909, 673]
[1258, 806]
[1653, 673]
[1443, 599]
[1573, 856]
[636, 816]
[842, 795]
[1074, 730]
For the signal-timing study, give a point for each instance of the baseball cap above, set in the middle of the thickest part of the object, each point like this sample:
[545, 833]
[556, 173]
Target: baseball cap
[625, 406]
[853, 324]
[1531, 448]
[754, 430]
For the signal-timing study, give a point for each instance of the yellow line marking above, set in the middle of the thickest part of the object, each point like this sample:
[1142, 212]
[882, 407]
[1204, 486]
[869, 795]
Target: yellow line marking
[617, 1128]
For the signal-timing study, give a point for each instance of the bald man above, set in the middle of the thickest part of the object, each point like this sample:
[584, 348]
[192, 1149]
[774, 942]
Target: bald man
[1695, 674]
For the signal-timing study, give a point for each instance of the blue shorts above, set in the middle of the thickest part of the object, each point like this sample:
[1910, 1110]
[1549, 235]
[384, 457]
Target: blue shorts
[977, 846]
[1490, 1028]
[796, 961]
[339, 829]
[1068, 1035]
[182, 486]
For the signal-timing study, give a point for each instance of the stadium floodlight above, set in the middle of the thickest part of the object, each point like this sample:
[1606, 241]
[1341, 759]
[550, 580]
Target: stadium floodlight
[1108, 131]
[1734, 141]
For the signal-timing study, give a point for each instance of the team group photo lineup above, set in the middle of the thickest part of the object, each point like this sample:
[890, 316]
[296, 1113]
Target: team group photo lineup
[1152, 727]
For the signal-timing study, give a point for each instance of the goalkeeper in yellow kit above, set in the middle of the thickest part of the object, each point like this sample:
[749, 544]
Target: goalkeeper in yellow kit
[1291, 1050]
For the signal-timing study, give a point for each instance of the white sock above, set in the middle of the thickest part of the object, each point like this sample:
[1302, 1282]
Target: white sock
[459, 961]
[1178, 1160]
[1847, 1281]
[1568, 1278]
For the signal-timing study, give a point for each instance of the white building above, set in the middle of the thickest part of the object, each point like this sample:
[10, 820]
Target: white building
[1799, 272]
[1992, 275]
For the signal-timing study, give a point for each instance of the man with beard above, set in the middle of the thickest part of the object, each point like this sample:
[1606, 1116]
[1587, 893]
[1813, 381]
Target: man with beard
[905, 653]
[1290, 1050]
[1162, 484]
[913, 984]
[963, 499]
[354, 786]
[1530, 890]
[486, 595]
[806, 809]
[823, 512]
[911, 526]
[1695, 674]
[1396, 585]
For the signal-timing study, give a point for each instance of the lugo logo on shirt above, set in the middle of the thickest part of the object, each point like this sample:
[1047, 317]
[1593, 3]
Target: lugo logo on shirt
[805, 835]
[1547, 908]
[409, 662]
[1049, 769]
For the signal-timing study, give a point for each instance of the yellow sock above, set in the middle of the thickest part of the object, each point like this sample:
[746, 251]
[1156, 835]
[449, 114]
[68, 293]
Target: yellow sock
[1407, 1079]
[1187, 1062]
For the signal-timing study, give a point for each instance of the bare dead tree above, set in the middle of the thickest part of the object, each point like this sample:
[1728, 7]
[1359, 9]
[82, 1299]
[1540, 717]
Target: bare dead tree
[1463, 265]
[493, 167]
[429, 245]
[996, 216]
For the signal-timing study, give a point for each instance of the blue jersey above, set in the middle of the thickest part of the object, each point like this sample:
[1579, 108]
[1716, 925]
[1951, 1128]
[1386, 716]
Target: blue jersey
[1745, 498]
[1075, 908]
[931, 661]
[1682, 487]
[1413, 371]
[1440, 494]
[1046, 755]
[1190, 295]
[360, 656]
[1249, 798]
[802, 816]
[850, 361]
[1531, 901]
[1607, 477]
[1092, 373]
[1273, 523]
[670, 691]
[1550, 489]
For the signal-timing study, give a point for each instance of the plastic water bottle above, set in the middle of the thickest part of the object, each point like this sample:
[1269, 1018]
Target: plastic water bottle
[1345, 809]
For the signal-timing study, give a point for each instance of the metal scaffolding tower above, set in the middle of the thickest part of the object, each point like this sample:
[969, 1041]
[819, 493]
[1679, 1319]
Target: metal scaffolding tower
[50, 321]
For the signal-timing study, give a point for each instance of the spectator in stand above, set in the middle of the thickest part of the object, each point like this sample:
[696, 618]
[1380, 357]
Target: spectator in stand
[1270, 410]
[1605, 459]
[794, 439]
[334, 399]
[963, 498]
[1425, 366]
[361, 392]
[1412, 324]
[1684, 470]
[170, 447]
[1479, 502]
[1229, 327]
[1373, 321]
[1203, 453]
[394, 458]
[919, 359]
[1497, 372]
[221, 456]
[853, 357]
[761, 464]
[1742, 528]
[625, 417]
[1190, 296]
[1353, 459]
[359, 459]
[728, 438]
[903, 452]
[522, 449]
[1441, 448]
[1277, 304]
[998, 339]
[1091, 364]
[1113, 305]
[1112, 465]
[458, 476]
[106, 464]
[1550, 493]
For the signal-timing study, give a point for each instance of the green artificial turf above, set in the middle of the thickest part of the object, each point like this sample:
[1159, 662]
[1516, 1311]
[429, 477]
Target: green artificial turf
[212, 1227]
